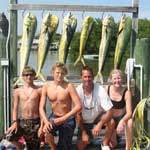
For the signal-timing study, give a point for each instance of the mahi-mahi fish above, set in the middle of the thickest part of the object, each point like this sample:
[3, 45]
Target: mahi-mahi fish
[85, 31]
[49, 26]
[125, 28]
[107, 32]
[69, 26]
[29, 29]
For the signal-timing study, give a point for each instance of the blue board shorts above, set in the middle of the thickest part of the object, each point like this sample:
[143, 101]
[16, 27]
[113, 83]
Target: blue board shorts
[65, 132]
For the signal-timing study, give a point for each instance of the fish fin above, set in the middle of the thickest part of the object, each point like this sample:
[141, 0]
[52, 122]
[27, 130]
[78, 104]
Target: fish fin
[41, 76]
[120, 31]
[66, 79]
[28, 40]
[99, 78]
[80, 59]
[16, 82]
[77, 61]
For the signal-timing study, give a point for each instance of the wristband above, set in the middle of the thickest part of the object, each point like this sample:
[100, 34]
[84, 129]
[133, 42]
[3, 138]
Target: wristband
[14, 121]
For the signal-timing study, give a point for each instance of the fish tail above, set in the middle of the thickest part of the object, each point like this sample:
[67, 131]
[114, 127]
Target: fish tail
[80, 59]
[16, 83]
[41, 76]
[99, 78]
[77, 61]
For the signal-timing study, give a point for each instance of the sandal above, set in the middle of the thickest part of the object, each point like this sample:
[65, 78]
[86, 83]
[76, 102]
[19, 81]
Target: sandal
[105, 147]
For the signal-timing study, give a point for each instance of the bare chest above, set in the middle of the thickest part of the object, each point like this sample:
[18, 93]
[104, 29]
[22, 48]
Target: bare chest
[29, 96]
[58, 94]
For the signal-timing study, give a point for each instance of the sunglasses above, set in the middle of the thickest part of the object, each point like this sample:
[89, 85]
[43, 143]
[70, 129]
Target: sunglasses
[28, 74]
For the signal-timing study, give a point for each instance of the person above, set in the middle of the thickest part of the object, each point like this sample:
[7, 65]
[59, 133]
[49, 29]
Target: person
[122, 107]
[96, 110]
[28, 96]
[65, 103]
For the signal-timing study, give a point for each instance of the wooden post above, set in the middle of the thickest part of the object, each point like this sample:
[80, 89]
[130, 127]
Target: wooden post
[135, 3]
[141, 55]
[12, 49]
[3, 39]
[13, 42]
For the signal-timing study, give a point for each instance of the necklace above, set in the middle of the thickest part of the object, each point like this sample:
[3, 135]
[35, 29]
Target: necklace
[91, 105]
[27, 94]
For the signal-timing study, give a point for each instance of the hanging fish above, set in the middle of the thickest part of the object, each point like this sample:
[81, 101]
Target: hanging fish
[29, 29]
[48, 28]
[85, 31]
[107, 31]
[123, 39]
[69, 26]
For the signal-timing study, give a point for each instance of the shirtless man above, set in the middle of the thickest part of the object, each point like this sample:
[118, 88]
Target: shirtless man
[61, 94]
[27, 126]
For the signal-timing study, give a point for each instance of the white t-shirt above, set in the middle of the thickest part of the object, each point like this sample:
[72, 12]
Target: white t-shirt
[95, 104]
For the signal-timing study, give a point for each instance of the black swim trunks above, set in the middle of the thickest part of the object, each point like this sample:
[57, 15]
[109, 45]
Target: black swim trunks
[65, 132]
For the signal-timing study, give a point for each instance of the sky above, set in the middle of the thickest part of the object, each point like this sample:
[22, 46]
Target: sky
[144, 10]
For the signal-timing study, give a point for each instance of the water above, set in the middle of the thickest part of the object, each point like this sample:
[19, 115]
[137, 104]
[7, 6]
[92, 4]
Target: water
[52, 58]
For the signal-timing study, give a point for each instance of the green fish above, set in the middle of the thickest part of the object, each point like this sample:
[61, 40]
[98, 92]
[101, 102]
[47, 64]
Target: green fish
[125, 28]
[69, 26]
[107, 32]
[48, 28]
[29, 29]
[85, 31]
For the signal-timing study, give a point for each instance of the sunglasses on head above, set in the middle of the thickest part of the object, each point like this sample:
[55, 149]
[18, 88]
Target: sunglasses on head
[28, 74]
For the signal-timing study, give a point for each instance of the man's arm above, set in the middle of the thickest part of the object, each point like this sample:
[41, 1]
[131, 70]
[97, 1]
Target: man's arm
[15, 112]
[15, 105]
[105, 118]
[48, 126]
[80, 122]
[43, 104]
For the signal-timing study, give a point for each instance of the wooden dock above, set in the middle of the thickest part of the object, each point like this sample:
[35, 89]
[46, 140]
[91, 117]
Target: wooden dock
[95, 145]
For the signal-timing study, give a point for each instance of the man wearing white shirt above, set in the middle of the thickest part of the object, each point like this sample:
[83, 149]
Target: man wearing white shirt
[96, 110]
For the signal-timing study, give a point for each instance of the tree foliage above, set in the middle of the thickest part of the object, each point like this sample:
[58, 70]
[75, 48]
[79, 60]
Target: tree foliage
[144, 28]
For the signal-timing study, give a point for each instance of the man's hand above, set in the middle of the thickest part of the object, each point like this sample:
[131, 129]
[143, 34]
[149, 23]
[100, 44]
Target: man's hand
[59, 121]
[96, 130]
[47, 127]
[12, 128]
[40, 132]
[85, 137]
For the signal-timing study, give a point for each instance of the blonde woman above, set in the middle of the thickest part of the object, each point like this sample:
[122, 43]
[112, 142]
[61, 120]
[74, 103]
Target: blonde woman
[122, 107]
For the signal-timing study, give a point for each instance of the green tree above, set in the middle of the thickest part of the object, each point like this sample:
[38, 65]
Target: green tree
[144, 28]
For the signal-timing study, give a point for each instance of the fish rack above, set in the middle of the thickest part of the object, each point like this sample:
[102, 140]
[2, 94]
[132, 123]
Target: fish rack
[14, 7]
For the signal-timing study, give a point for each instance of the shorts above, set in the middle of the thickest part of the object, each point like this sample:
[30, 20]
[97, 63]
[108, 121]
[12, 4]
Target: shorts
[65, 132]
[27, 128]
[117, 119]
[88, 127]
